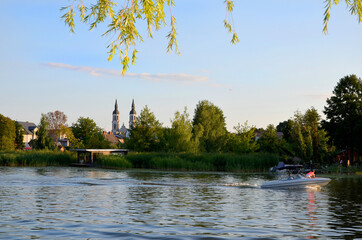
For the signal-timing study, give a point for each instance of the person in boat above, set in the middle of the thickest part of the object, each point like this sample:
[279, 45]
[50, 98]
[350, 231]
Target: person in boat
[290, 177]
[311, 174]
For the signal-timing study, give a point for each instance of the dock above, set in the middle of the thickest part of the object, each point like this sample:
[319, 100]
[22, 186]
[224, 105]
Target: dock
[87, 157]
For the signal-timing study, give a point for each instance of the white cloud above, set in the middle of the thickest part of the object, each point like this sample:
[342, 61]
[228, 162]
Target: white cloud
[158, 77]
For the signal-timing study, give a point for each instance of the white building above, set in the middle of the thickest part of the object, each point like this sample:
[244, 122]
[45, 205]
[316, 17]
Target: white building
[30, 130]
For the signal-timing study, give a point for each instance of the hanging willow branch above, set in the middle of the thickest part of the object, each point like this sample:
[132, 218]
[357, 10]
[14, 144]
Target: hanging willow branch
[122, 27]
[354, 7]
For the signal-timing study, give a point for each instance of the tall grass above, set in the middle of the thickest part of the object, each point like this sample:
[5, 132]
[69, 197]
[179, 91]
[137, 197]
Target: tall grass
[36, 158]
[114, 161]
[256, 162]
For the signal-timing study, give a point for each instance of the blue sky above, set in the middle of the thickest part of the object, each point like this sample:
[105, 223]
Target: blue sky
[283, 62]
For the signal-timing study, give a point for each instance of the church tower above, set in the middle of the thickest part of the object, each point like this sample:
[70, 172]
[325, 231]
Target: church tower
[132, 116]
[115, 119]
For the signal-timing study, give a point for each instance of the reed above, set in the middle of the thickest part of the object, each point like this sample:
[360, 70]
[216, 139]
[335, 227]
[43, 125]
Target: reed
[36, 158]
[114, 161]
[256, 162]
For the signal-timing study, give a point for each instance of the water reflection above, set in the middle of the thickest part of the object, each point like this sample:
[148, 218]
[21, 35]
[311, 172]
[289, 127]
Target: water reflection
[345, 204]
[76, 203]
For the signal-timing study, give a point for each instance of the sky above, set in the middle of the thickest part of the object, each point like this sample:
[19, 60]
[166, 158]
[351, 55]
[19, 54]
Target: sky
[282, 64]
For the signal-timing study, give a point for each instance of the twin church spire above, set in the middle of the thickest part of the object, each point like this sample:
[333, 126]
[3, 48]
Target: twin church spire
[116, 129]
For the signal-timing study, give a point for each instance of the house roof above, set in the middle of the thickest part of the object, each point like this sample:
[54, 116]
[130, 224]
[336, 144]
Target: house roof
[28, 127]
[111, 138]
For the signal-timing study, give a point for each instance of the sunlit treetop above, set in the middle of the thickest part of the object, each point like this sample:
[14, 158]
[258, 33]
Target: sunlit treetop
[121, 17]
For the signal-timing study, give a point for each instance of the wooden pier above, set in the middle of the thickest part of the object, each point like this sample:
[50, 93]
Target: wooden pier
[87, 157]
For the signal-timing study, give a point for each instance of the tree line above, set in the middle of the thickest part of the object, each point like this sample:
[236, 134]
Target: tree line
[305, 135]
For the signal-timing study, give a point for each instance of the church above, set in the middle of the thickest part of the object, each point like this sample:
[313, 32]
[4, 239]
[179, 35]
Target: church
[122, 131]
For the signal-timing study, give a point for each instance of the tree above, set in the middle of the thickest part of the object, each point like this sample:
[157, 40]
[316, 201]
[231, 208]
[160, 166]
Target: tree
[209, 127]
[123, 22]
[304, 136]
[56, 119]
[269, 140]
[285, 127]
[146, 134]
[89, 135]
[43, 141]
[243, 141]
[7, 133]
[67, 131]
[344, 114]
[19, 136]
[180, 135]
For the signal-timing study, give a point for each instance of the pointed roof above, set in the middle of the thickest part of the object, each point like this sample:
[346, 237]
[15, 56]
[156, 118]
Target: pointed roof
[28, 127]
[116, 108]
[133, 110]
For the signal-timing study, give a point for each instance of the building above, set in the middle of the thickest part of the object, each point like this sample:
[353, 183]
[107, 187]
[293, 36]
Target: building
[115, 119]
[132, 116]
[121, 131]
[30, 130]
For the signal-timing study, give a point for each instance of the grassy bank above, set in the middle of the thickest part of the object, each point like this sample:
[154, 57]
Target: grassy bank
[36, 158]
[256, 162]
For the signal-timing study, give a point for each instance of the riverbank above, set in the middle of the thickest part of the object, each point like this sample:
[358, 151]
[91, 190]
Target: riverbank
[255, 162]
[36, 158]
[213, 162]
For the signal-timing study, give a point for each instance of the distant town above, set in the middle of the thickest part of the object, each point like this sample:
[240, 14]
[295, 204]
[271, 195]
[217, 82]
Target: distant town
[303, 138]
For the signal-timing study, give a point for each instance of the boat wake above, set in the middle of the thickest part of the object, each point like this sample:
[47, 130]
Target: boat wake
[241, 185]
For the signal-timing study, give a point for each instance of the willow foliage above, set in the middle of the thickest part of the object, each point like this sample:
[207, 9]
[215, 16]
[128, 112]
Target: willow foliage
[123, 15]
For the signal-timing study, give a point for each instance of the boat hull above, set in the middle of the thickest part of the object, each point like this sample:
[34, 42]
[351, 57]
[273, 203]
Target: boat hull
[297, 183]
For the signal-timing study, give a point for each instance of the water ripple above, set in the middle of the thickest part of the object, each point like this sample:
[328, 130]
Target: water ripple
[70, 203]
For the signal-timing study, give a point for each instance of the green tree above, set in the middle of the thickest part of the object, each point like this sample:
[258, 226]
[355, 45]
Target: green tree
[147, 134]
[285, 127]
[7, 133]
[19, 136]
[306, 137]
[67, 131]
[122, 19]
[243, 141]
[89, 135]
[43, 140]
[344, 114]
[269, 141]
[209, 127]
[180, 138]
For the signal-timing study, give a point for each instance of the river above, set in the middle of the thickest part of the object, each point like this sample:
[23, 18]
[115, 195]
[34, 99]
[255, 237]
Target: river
[75, 203]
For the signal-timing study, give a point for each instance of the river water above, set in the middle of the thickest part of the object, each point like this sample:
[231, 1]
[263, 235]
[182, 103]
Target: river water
[74, 203]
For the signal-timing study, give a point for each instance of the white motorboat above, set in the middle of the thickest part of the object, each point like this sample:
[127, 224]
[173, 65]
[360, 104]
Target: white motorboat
[297, 181]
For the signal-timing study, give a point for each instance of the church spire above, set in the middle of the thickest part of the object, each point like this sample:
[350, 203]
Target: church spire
[115, 119]
[133, 110]
[116, 108]
[132, 115]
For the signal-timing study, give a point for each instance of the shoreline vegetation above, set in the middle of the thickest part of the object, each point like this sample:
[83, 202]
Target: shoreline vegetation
[213, 162]
[254, 162]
